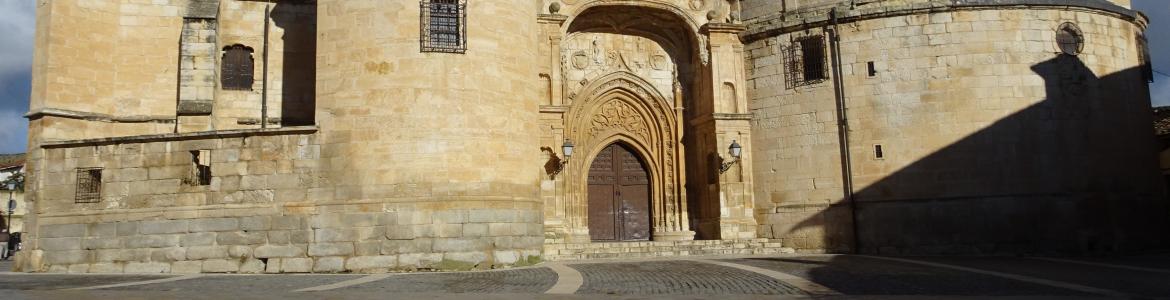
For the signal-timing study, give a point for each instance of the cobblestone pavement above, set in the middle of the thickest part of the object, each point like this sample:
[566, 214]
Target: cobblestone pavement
[772, 277]
[675, 277]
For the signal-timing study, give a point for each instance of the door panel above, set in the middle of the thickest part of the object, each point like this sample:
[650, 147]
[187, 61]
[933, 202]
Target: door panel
[635, 212]
[602, 191]
[619, 196]
[601, 213]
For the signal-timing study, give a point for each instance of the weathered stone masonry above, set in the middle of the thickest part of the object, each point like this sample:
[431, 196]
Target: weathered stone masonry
[992, 142]
[377, 156]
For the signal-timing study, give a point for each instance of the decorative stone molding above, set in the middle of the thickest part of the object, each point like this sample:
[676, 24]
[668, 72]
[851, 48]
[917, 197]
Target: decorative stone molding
[181, 136]
[90, 116]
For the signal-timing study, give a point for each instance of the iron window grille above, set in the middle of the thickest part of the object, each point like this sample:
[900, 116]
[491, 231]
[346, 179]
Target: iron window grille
[238, 68]
[89, 186]
[444, 26]
[805, 61]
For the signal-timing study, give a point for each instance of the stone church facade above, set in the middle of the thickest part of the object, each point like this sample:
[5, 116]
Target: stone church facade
[184, 136]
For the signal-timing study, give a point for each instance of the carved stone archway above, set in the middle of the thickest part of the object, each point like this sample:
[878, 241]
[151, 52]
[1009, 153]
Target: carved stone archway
[705, 58]
[624, 107]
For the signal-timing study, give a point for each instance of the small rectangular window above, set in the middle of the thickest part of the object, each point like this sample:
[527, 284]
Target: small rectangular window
[444, 26]
[89, 185]
[813, 50]
[200, 168]
[806, 61]
[871, 69]
[878, 153]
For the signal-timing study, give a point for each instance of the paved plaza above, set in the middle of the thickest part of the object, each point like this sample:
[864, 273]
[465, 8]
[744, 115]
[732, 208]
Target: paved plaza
[771, 277]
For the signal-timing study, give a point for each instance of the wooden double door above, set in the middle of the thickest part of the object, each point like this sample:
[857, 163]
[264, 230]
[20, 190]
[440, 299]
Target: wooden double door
[619, 196]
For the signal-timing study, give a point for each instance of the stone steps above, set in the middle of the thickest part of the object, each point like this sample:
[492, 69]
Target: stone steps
[625, 250]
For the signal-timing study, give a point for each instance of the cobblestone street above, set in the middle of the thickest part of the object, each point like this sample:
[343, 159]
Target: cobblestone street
[792, 276]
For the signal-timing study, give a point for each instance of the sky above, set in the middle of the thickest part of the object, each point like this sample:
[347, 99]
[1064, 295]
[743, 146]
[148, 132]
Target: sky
[17, 20]
[16, 44]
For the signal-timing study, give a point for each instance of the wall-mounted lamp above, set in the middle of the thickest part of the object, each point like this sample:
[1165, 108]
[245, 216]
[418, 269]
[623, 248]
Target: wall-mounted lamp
[735, 150]
[567, 150]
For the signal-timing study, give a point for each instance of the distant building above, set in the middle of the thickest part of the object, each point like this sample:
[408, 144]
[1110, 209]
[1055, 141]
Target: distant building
[8, 169]
[371, 135]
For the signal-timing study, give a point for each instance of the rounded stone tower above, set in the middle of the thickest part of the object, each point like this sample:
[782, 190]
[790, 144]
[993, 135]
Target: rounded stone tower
[972, 127]
[428, 115]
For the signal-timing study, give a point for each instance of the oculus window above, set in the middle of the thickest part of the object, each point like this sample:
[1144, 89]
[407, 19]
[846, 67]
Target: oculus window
[1070, 39]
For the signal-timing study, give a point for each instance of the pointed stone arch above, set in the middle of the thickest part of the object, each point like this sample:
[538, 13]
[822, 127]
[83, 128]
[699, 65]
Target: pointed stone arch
[622, 107]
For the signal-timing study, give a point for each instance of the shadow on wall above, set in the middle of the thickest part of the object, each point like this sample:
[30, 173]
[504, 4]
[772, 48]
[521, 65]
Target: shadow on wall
[1073, 174]
[299, 90]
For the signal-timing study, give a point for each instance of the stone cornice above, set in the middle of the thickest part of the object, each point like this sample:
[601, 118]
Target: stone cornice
[722, 28]
[557, 19]
[558, 109]
[90, 116]
[780, 23]
[181, 136]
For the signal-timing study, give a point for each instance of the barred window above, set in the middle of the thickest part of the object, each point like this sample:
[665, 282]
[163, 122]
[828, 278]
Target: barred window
[444, 26]
[238, 68]
[89, 185]
[805, 61]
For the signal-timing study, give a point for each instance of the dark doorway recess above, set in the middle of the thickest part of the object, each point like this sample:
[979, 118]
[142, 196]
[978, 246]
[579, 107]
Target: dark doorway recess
[619, 196]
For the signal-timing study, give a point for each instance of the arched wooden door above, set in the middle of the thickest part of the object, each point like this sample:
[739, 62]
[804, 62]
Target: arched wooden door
[619, 196]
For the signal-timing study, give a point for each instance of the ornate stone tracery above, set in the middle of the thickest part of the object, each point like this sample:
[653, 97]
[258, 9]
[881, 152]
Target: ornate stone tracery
[622, 106]
[618, 115]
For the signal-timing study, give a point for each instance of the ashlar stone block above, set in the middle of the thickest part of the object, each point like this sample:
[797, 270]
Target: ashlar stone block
[215, 224]
[329, 264]
[269, 251]
[147, 267]
[371, 262]
[331, 249]
[163, 227]
[221, 266]
[62, 230]
[241, 238]
[296, 265]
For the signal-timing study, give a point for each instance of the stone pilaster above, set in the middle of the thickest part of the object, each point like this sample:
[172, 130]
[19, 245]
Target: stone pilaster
[729, 121]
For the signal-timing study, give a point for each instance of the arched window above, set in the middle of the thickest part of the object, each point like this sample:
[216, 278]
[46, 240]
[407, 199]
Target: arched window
[238, 67]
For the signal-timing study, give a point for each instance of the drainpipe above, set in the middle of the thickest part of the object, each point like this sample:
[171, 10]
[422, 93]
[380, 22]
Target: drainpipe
[843, 130]
[264, 85]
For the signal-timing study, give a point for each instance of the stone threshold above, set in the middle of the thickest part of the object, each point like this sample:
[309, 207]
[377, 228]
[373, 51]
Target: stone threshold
[647, 249]
[202, 135]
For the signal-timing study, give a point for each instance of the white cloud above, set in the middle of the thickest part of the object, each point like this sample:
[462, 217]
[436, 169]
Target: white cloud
[17, 24]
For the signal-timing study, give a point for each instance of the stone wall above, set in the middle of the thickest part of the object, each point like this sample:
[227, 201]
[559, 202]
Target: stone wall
[414, 168]
[125, 81]
[133, 88]
[450, 138]
[991, 142]
[265, 209]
